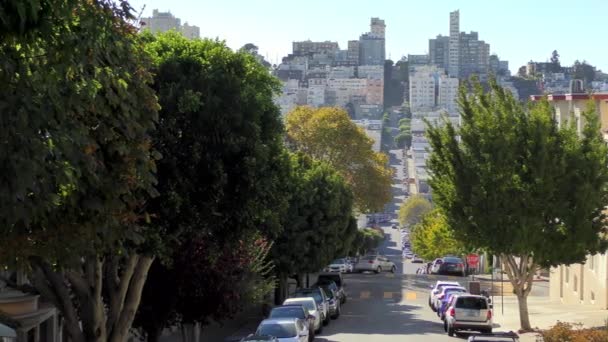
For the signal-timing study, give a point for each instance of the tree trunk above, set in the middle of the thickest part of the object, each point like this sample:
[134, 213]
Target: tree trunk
[521, 276]
[524, 317]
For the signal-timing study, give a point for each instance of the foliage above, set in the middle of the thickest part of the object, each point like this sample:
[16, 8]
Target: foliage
[512, 183]
[318, 219]
[583, 71]
[433, 238]
[404, 138]
[77, 164]
[367, 239]
[220, 181]
[567, 332]
[413, 210]
[328, 134]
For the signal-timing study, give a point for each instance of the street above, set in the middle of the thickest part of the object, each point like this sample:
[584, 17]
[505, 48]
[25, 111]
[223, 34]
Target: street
[388, 307]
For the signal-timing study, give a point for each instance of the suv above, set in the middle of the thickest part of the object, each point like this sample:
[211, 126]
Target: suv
[435, 289]
[375, 263]
[320, 298]
[468, 312]
[451, 266]
[338, 280]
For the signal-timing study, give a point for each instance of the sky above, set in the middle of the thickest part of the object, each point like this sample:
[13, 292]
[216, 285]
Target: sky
[517, 30]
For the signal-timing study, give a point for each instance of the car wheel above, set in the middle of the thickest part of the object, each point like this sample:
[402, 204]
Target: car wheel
[338, 311]
[326, 320]
[320, 330]
[393, 269]
[487, 331]
[450, 331]
[378, 270]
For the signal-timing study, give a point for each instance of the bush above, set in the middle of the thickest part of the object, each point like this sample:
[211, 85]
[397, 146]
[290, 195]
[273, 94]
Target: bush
[574, 332]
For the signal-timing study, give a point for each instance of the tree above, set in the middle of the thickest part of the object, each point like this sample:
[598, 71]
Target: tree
[318, 224]
[512, 183]
[252, 49]
[77, 164]
[433, 238]
[413, 210]
[555, 57]
[522, 72]
[219, 183]
[329, 135]
[366, 240]
[404, 139]
[583, 71]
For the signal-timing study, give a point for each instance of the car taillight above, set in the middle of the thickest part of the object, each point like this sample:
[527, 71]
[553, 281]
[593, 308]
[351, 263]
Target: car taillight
[440, 296]
[370, 262]
[452, 312]
[489, 315]
[460, 265]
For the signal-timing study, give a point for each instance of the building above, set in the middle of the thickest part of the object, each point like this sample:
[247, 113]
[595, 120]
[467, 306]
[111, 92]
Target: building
[439, 49]
[431, 88]
[161, 22]
[377, 27]
[191, 31]
[371, 71]
[448, 94]
[305, 48]
[454, 45]
[165, 21]
[474, 56]
[584, 284]
[371, 50]
[353, 51]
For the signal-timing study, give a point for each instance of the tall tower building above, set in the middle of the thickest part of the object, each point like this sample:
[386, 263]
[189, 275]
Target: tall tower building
[454, 44]
[377, 27]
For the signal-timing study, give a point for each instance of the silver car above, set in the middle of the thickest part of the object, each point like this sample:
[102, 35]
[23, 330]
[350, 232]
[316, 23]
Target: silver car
[468, 312]
[375, 263]
[285, 329]
[311, 306]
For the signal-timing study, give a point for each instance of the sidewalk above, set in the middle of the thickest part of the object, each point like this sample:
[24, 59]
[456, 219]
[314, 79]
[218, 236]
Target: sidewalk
[544, 313]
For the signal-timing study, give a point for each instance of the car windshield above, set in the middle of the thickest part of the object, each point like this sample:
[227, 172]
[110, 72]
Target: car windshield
[282, 330]
[282, 312]
[472, 303]
[453, 260]
[338, 261]
[369, 257]
[314, 294]
[305, 303]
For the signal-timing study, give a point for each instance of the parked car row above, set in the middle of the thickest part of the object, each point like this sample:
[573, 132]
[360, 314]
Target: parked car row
[305, 312]
[341, 265]
[460, 310]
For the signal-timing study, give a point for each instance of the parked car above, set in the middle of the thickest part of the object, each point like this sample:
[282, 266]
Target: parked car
[394, 226]
[451, 266]
[494, 337]
[260, 338]
[320, 299]
[338, 280]
[437, 287]
[417, 260]
[409, 255]
[332, 299]
[443, 293]
[468, 312]
[296, 311]
[310, 304]
[375, 263]
[285, 329]
[435, 265]
[339, 265]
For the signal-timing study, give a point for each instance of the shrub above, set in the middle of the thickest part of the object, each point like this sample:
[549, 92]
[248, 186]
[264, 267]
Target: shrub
[574, 332]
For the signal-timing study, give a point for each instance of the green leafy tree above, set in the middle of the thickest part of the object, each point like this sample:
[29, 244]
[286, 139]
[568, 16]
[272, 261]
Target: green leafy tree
[413, 210]
[76, 163]
[329, 135]
[512, 183]
[433, 238]
[219, 183]
[583, 71]
[318, 224]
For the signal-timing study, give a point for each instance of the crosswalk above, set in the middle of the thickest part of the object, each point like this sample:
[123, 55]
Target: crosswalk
[403, 295]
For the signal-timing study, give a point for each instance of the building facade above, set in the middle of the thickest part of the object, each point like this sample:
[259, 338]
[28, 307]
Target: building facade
[165, 21]
[439, 51]
[454, 45]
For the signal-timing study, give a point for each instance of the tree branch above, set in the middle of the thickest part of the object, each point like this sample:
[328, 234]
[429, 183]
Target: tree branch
[131, 302]
[119, 292]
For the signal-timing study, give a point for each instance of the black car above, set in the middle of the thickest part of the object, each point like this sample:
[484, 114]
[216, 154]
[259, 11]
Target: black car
[452, 266]
[326, 278]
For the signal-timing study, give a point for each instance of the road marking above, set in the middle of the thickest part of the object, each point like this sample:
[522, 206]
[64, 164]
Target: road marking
[388, 295]
[364, 295]
[390, 275]
[408, 295]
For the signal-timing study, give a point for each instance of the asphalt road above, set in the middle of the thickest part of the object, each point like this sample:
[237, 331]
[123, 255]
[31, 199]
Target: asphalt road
[387, 307]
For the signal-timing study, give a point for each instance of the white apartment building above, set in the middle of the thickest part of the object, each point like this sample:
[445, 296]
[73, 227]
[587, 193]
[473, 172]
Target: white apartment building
[422, 88]
[165, 21]
[374, 91]
[341, 72]
[448, 94]
[316, 95]
[346, 88]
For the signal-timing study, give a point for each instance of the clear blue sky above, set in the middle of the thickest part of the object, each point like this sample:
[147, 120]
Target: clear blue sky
[517, 30]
